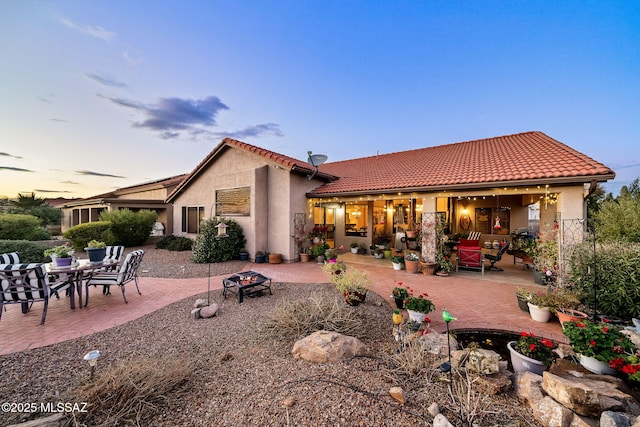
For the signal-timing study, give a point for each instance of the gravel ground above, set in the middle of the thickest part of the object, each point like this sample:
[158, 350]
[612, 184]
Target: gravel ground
[241, 376]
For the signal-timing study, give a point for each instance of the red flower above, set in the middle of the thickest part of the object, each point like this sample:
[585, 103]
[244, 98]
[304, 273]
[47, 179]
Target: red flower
[532, 347]
[547, 343]
[593, 343]
[605, 329]
[581, 325]
[524, 334]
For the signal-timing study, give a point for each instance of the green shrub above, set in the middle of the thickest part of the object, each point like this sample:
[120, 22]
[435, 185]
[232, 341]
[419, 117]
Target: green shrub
[617, 274]
[129, 228]
[22, 227]
[210, 248]
[175, 243]
[28, 251]
[81, 234]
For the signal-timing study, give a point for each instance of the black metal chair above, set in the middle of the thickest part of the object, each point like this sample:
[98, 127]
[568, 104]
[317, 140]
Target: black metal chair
[24, 284]
[128, 272]
[495, 258]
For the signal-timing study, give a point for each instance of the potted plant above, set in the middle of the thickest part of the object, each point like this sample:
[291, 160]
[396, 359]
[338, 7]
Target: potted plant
[61, 255]
[411, 262]
[318, 251]
[396, 261]
[539, 306]
[96, 250]
[354, 247]
[243, 254]
[530, 353]
[418, 306]
[305, 255]
[524, 296]
[399, 294]
[597, 344]
[377, 252]
[444, 264]
[318, 233]
[353, 284]
[362, 249]
[275, 258]
[261, 257]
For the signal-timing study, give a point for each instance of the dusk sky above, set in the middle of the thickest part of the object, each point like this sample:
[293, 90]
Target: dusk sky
[97, 95]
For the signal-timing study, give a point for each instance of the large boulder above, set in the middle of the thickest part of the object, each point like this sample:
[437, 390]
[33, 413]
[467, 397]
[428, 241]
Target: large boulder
[326, 346]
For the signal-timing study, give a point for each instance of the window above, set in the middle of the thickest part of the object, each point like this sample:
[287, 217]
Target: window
[233, 201]
[191, 219]
[356, 220]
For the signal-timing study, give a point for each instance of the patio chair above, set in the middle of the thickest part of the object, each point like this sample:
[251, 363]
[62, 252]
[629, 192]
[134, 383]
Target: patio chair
[24, 284]
[13, 258]
[495, 258]
[128, 272]
[470, 257]
[113, 254]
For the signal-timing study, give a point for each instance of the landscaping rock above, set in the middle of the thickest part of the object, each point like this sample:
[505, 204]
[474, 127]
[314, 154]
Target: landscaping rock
[483, 361]
[209, 311]
[200, 302]
[614, 419]
[325, 346]
[397, 393]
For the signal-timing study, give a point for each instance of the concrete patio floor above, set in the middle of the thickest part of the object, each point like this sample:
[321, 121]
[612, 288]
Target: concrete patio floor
[479, 302]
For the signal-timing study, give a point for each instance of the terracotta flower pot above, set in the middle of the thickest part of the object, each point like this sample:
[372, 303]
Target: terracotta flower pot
[569, 315]
[275, 258]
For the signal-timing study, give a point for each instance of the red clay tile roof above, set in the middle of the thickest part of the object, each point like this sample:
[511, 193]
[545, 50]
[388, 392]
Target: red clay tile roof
[286, 162]
[519, 159]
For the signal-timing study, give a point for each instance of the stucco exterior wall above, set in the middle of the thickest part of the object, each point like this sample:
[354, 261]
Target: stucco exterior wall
[276, 195]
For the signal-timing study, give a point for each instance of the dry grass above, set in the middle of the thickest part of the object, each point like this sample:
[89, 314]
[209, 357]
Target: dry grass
[133, 391]
[294, 319]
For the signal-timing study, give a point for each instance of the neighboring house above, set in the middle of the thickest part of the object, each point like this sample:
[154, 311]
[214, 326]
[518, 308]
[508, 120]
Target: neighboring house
[489, 186]
[493, 186]
[150, 195]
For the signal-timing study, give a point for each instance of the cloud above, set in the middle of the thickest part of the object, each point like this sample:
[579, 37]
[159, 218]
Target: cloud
[91, 173]
[105, 80]
[94, 31]
[60, 120]
[70, 182]
[253, 131]
[10, 155]
[50, 191]
[171, 115]
[9, 168]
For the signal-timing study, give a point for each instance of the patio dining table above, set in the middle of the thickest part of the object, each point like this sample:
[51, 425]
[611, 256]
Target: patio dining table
[74, 274]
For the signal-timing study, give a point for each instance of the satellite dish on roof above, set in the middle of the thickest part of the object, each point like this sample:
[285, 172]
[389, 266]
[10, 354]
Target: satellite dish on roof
[315, 160]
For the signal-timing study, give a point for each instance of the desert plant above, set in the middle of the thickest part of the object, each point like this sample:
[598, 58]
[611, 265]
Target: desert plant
[134, 391]
[350, 280]
[292, 319]
[208, 247]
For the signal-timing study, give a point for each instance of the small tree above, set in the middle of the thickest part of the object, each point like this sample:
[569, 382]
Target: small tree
[210, 248]
[129, 228]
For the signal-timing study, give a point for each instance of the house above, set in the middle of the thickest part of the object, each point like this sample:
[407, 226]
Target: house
[489, 186]
[492, 186]
[150, 195]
